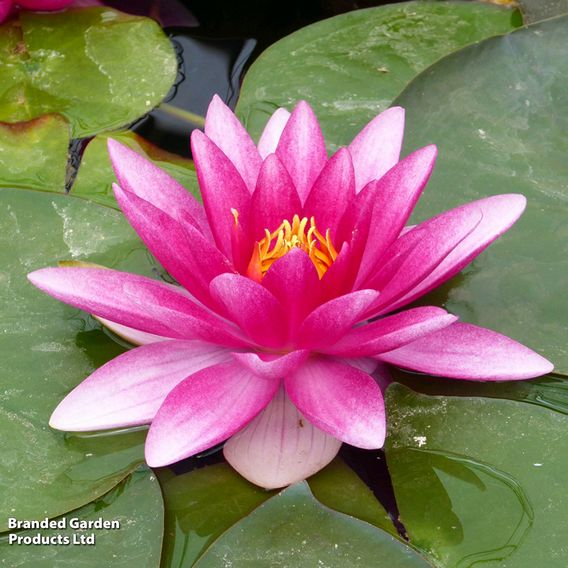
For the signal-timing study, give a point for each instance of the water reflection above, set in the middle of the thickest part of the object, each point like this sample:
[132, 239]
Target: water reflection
[444, 494]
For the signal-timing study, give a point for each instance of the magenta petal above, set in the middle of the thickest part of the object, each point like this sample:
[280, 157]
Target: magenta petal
[205, 409]
[465, 351]
[499, 213]
[225, 194]
[391, 332]
[269, 366]
[181, 249]
[302, 148]
[130, 388]
[340, 400]
[330, 321]
[252, 307]
[274, 199]
[280, 446]
[332, 192]
[376, 149]
[225, 130]
[134, 301]
[294, 281]
[272, 131]
[388, 205]
[141, 177]
[418, 252]
[133, 336]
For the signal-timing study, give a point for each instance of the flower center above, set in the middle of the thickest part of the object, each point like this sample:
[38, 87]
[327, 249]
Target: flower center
[296, 234]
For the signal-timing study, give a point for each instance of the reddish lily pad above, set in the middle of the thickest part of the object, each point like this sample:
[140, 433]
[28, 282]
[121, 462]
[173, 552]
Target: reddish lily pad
[49, 348]
[351, 67]
[67, 62]
[33, 154]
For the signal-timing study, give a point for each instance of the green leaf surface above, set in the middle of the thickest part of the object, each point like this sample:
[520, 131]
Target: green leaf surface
[294, 529]
[498, 112]
[48, 348]
[479, 480]
[137, 506]
[95, 177]
[536, 10]
[33, 154]
[351, 67]
[202, 504]
[67, 62]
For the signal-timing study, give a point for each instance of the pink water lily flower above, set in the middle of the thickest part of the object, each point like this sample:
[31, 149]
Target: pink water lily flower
[277, 336]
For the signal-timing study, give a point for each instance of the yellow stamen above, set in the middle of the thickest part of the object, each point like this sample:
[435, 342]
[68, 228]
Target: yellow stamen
[275, 245]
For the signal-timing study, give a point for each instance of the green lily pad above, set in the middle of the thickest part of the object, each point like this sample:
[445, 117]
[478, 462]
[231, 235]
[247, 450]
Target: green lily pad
[202, 504]
[294, 529]
[351, 67]
[338, 487]
[95, 177]
[498, 112]
[48, 348]
[33, 155]
[67, 62]
[479, 480]
[536, 10]
[136, 504]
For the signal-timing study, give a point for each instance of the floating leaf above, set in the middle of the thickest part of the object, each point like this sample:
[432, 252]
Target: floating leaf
[136, 504]
[95, 178]
[48, 348]
[498, 112]
[462, 466]
[33, 154]
[294, 529]
[67, 62]
[352, 66]
[202, 504]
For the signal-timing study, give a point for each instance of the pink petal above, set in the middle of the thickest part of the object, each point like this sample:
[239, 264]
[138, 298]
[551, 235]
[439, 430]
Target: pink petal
[332, 192]
[269, 366]
[130, 388]
[223, 190]
[274, 199]
[341, 400]
[294, 281]
[134, 301]
[205, 409]
[44, 5]
[418, 252]
[330, 321]
[376, 149]
[465, 351]
[181, 249]
[388, 205]
[133, 336]
[225, 130]
[302, 148]
[499, 213]
[252, 307]
[391, 332]
[340, 276]
[141, 177]
[280, 446]
[5, 9]
[272, 131]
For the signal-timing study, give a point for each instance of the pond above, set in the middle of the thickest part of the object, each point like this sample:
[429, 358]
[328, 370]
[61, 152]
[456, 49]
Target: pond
[323, 365]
